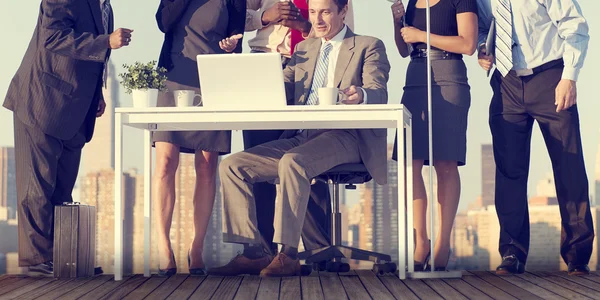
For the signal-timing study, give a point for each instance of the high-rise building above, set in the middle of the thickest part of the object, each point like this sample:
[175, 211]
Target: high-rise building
[8, 184]
[98, 190]
[488, 175]
[99, 152]
[545, 186]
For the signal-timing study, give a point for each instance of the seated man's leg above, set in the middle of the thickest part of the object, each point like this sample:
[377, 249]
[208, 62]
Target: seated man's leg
[238, 173]
[296, 170]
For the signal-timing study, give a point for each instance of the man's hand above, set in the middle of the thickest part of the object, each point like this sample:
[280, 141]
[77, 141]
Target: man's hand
[566, 94]
[299, 24]
[413, 35]
[101, 108]
[120, 38]
[354, 95]
[229, 44]
[485, 61]
[398, 12]
[280, 11]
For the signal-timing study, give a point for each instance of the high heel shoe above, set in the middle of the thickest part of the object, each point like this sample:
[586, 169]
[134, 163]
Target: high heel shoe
[168, 272]
[440, 269]
[195, 271]
[421, 266]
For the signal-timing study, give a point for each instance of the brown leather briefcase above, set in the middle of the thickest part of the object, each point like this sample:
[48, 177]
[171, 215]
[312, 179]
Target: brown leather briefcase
[74, 240]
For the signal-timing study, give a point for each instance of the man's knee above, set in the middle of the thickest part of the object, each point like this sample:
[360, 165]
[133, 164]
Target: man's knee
[233, 164]
[295, 161]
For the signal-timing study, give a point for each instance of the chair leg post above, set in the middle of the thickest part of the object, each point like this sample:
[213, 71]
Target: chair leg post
[336, 233]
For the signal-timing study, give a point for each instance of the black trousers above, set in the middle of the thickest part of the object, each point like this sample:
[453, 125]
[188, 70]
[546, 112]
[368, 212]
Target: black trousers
[516, 104]
[46, 169]
[317, 224]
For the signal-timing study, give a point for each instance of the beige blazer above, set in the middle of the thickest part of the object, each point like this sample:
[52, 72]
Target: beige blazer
[362, 62]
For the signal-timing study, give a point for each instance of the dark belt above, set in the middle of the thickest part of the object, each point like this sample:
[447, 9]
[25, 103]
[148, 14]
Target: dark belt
[547, 66]
[434, 55]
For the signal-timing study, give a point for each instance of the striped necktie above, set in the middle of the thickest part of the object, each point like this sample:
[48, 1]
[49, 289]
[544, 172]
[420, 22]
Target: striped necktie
[105, 21]
[320, 75]
[504, 40]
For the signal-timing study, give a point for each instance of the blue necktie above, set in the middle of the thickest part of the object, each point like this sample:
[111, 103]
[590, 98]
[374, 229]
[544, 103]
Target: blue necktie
[105, 18]
[320, 75]
[504, 40]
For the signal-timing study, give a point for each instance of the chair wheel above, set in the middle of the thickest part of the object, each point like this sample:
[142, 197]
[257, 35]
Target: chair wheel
[344, 267]
[320, 266]
[333, 266]
[305, 270]
[381, 269]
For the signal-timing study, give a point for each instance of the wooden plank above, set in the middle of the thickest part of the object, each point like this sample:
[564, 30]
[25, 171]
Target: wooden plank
[227, 288]
[290, 288]
[187, 288]
[532, 288]
[444, 289]
[466, 289]
[573, 286]
[86, 287]
[332, 286]
[398, 289]
[65, 288]
[146, 288]
[550, 286]
[354, 288]
[167, 287]
[269, 288]
[349, 273]
[106, 288]
[46, 288]
[207, 288]
[27, 288]
[506, 286]
[248, 288]
[486, 288]
[123, 289]
[422, 290]
[373, 286]
[590, 277]
[311, 288]
[14, 283]
[582, 280]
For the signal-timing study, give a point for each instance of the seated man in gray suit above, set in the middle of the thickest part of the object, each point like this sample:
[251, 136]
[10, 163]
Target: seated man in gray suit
[336, 58]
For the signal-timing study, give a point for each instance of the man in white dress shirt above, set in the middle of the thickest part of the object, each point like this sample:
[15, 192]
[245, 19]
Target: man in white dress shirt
[335, 58]
[540, 47]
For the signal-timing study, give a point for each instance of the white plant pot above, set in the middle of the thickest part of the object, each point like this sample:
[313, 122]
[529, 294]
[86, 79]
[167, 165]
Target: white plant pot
[144, 98]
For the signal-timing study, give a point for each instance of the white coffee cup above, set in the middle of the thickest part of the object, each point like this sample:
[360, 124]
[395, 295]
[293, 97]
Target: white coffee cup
[329, 96]
[185, 98]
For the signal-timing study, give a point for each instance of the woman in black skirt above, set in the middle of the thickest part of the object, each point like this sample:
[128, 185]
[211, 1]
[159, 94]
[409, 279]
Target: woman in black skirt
[453, 33]
[191, 27]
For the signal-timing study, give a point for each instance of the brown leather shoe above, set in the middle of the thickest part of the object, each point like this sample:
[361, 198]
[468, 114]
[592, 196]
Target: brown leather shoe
[282, 265]
[241, 265]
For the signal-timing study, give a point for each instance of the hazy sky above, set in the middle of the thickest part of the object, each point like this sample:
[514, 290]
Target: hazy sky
[373, 17]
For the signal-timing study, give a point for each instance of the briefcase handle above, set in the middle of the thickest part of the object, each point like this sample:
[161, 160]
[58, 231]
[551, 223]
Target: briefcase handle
[71, 203]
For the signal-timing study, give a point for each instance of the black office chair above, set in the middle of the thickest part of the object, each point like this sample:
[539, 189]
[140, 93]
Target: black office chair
[331, 258]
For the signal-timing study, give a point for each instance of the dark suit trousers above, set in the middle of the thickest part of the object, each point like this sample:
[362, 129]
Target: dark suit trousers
[46, 170]
[516, 104]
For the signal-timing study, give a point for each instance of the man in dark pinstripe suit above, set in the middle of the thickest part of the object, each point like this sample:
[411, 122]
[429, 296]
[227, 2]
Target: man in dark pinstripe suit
[55, 97]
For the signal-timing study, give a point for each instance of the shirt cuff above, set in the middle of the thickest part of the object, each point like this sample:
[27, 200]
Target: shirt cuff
[254, 19]
[570, 73]
[364, 96]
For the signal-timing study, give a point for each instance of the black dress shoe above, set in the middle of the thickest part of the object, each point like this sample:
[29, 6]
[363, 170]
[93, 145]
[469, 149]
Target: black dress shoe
[578, 270]
[510, 265]
[44, 269]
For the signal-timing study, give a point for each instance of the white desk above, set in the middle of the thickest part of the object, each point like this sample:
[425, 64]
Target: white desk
[292, 117]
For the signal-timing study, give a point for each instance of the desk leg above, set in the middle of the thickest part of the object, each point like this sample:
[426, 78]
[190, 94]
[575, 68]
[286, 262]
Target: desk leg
[147, 200]
[401, 198]
[409, 196]
[118, 184]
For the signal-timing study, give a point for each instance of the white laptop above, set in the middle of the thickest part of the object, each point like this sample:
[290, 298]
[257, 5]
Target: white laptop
[241, 81]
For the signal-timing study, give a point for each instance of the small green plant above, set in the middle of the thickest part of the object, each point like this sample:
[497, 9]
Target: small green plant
[141, 76]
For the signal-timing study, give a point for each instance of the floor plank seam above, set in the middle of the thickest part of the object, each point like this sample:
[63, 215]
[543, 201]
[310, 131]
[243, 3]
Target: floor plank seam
[557, 284]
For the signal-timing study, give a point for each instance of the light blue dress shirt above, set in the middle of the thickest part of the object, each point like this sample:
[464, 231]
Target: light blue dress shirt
[543, 31]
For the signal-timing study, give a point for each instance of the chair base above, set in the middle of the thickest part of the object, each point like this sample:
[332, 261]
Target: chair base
[336, 253]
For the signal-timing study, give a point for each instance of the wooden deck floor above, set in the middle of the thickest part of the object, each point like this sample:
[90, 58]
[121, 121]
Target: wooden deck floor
[362, 284]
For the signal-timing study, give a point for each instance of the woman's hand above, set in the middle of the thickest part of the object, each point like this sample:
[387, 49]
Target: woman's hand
[398, 12]
[229, 44]
[413, 35]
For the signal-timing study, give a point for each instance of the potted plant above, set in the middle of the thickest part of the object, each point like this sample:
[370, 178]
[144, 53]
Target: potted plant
[144, 81]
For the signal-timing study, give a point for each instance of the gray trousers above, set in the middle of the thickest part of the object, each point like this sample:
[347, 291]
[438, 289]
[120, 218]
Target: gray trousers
[294, 162]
